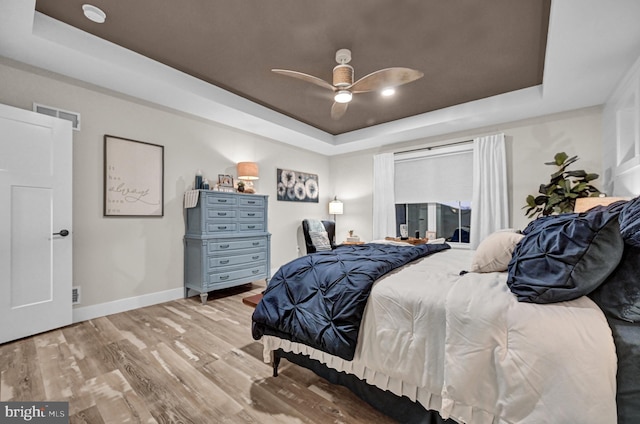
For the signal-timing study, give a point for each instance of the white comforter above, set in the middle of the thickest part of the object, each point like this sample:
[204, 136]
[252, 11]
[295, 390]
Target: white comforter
[464, 346]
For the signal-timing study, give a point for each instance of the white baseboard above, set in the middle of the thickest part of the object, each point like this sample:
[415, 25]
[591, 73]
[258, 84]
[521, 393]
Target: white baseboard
[95, 311]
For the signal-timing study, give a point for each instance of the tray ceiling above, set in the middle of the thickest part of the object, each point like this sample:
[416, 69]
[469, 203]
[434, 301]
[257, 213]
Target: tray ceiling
[468, 50]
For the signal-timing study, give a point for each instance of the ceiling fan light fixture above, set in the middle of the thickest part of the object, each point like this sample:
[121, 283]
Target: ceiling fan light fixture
[94, 13]
[344, 88]
[389, 91]
[343, 96]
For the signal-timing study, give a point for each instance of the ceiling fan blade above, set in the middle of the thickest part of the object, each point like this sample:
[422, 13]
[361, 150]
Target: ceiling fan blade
[338, 110]
[305, 77]
[385, 78]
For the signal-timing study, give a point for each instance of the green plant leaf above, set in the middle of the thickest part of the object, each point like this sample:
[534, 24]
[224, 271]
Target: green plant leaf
[578, 174]
[580, 187]
[541, 200]
[559, 158]
[591, 177]
[556, 176]
[531, 202]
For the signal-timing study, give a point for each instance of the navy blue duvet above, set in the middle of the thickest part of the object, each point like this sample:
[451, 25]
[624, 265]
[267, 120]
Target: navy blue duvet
[319, 299]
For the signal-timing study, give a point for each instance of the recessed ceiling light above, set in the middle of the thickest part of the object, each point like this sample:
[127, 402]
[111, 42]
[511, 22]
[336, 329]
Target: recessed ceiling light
[388, 92]
[93, 13]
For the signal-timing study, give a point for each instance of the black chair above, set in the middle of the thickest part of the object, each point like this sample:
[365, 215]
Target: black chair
[329, 226]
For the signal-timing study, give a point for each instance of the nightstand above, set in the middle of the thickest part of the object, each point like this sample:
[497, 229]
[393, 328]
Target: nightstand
[352, 242]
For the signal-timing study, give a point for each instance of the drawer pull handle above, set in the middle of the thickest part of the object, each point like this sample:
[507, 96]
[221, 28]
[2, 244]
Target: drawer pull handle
[224, 246]
[251, 202]
[222, 214]
[251, 214]
[251, 226]
[256, 243]
[222, 200]
[224, 262]
[255, 271]
[222, 227]
[224, 277]
[255, 257]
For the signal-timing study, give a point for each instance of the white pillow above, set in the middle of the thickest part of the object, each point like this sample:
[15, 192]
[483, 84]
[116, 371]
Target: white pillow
[320, 240]
[494, 252]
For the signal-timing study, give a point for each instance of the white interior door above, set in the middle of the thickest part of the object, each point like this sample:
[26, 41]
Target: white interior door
[35, 203]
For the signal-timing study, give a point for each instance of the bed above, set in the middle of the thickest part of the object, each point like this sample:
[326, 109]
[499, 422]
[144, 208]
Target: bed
[493, 345]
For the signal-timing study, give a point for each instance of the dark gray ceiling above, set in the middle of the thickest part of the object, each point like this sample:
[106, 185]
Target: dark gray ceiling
[467, 49]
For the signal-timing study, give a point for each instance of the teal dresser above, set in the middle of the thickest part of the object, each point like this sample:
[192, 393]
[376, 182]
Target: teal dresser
[226, 242]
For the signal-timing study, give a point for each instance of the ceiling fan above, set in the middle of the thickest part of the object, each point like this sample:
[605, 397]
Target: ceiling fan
[344, 87]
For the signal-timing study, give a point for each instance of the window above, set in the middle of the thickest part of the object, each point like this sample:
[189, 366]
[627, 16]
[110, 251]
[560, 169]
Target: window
[433, 190]
[450, 221]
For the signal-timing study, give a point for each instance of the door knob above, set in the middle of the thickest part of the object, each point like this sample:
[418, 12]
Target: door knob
[62, 233]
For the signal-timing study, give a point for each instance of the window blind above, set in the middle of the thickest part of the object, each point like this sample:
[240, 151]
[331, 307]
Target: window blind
[438, 177]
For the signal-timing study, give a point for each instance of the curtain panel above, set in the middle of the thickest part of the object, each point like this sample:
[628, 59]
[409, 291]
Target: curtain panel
[490, 203]
[384, 211]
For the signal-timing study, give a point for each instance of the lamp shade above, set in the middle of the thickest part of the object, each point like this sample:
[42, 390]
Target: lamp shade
[335, 207]
[247, 171]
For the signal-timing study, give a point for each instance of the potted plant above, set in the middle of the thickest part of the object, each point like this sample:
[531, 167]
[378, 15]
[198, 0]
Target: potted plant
[560, 194]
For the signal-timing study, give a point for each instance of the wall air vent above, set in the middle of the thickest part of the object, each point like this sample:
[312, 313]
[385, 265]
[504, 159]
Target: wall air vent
[75, 295]
[74, 117]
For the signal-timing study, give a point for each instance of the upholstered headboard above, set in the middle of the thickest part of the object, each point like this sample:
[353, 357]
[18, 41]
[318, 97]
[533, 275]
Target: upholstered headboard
[583, 204]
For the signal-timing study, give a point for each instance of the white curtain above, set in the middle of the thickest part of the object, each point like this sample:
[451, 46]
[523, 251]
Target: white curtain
[489, 203]
[384, 210]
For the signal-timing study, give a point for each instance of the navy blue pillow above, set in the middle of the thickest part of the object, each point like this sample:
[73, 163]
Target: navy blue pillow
[565, 257]
[630, 222]
[543, 221]
[619, 295]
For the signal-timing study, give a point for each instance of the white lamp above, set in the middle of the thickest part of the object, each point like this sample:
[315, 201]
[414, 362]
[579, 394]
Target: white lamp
[335, 207]
[248, 172]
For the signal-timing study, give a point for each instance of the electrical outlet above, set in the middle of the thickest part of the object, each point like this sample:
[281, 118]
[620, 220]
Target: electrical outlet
[75, 295]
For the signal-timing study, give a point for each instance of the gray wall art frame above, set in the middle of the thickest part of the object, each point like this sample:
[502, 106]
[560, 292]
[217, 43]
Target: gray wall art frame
[296, 186]
[133, 178]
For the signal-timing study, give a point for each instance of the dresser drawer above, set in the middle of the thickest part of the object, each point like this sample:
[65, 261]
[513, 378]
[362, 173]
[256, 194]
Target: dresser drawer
[256, 271]
[255, 226]
[257, 215]
[222, 261]
[220, 214]
[221, 227]
[257, 202]
[216, 246]
[212, 199]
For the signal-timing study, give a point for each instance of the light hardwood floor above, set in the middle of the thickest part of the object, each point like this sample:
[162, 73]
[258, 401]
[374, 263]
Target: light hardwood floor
[176, 362]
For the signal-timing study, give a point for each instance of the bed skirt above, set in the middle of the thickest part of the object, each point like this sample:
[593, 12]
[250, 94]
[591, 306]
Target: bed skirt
[400, 408]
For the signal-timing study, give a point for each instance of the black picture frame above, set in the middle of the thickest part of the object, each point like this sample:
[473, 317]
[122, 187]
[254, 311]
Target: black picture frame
[296, 186]
[133, 178]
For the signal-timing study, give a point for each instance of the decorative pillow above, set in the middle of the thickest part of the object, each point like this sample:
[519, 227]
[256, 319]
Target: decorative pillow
[619, 295]
[566, 257]
[320, 240]
[494, 252]
[543, 221]
[630, 222]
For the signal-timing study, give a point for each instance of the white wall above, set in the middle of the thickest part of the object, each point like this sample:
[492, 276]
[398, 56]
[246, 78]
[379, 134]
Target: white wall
[530, 143]
[121, 258]
[621, 135]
